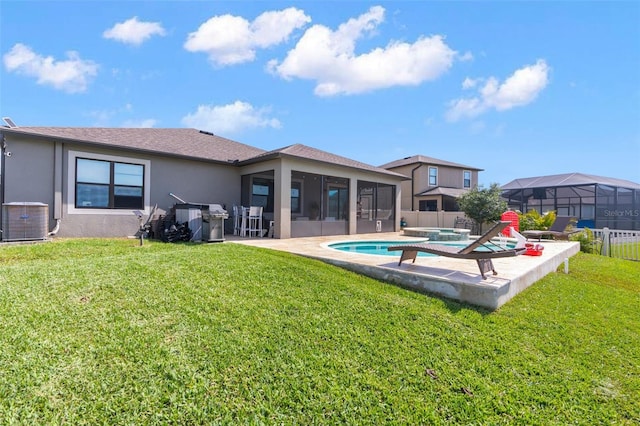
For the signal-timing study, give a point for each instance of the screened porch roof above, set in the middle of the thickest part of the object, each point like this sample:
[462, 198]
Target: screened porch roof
[567, 179]
[569, 185]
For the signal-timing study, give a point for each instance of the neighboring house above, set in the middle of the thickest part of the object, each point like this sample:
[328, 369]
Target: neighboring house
[433, 184]
[596, 201]
[92, 179]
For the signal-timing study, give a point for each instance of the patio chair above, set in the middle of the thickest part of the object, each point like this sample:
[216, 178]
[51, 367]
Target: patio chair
[558, 229]
[482, 250]
[255, 221]
[240, 214]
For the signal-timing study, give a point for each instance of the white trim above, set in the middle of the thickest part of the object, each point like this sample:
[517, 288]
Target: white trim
[71, 183]
[429, 175]
[470, 179]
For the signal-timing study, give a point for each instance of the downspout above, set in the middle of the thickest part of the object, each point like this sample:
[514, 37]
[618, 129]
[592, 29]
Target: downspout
[55, 228]
[57, 187]
[413, 192]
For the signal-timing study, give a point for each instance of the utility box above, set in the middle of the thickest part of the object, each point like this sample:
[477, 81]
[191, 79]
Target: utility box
[24, 221]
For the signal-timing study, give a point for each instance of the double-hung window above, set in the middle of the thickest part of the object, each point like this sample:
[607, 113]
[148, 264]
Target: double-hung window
[104, 184]
[433, 176]
[466, 179]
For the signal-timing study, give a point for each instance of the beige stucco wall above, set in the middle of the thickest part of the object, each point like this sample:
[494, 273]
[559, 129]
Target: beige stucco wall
[449, 177]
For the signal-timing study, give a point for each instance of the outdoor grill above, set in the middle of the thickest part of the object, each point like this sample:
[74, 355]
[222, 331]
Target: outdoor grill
[214, 215]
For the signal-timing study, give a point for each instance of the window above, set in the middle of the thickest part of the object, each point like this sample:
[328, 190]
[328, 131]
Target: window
[295, 197]
[428, 205]
[262, 194]
[103, 184]
[259, 194]
[466, 179]
[433, 176]
[338, 203]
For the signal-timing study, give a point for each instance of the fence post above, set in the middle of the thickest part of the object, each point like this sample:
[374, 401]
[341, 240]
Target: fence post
[606, 235]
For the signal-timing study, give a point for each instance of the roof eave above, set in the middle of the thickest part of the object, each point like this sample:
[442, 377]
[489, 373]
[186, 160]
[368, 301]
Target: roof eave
[276, 155]
[114, 146]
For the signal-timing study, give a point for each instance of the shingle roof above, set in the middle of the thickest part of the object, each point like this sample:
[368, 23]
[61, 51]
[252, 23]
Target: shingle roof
[422, 159]
[187, 143]
[190, 143]
[567, 179]
[309, 153]
[440, 190]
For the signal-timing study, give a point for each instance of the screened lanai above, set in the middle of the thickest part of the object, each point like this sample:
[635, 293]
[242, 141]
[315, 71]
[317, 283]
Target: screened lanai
[597, 202]
[306, 192]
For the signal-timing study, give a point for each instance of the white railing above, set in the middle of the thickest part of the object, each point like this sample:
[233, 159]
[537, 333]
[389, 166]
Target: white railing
[618, 243]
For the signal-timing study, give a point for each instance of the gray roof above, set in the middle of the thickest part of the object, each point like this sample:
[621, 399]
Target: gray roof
[422, 159]
[309, 153]
[567, 179]
[441, 190]
[188, 143]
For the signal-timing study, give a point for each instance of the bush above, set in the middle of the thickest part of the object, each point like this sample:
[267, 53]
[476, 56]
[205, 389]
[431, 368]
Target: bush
[532, 220]
[588, 243]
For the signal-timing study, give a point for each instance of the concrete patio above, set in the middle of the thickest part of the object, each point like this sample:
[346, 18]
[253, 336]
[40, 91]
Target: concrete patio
[457, 279]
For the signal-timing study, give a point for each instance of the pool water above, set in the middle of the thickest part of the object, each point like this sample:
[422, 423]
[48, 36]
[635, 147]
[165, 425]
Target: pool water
[380, 247]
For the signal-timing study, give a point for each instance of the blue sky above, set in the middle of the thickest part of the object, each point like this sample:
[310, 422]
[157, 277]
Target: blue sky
[519, 89]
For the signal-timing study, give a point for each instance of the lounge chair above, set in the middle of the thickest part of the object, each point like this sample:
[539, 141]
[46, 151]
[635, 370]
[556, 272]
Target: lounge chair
[482, 250]
[558, 229]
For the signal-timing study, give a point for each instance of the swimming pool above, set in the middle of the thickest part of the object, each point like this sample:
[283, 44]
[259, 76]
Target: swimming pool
[377, 247]
[380, 247]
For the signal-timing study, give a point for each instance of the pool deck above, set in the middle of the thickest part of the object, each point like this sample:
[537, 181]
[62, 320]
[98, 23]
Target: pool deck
[457, 279]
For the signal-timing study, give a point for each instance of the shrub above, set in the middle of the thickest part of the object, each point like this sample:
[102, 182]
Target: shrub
[532, 220]
[588, 243]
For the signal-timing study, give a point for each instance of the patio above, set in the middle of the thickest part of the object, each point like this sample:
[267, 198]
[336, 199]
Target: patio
[451, 278]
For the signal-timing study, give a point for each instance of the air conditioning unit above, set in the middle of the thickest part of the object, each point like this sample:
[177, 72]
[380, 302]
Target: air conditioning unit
[23, 221]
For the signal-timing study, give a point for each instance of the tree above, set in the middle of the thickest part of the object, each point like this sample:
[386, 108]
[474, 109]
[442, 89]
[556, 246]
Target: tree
[483, 205]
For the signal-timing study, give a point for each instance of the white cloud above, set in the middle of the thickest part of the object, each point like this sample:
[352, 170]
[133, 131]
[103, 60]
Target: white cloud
[521, 88]
[231, 118]
[142, 124]
[72, 75]
[329, 58]
[232, 40]
[465, 57]
[134, 32]
[469, 83]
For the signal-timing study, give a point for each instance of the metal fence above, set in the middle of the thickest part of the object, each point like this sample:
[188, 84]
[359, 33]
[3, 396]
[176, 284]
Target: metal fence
[618, 243]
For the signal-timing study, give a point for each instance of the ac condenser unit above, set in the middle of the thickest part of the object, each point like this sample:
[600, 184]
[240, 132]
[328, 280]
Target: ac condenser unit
[25, 221]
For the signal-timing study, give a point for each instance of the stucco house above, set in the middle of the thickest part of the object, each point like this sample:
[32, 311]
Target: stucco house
[432, 184]
[92, 179]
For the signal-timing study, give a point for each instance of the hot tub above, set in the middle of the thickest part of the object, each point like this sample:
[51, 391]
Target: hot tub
[438, 234]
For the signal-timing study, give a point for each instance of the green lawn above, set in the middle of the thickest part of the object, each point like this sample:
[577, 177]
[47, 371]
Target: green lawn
[109, 332]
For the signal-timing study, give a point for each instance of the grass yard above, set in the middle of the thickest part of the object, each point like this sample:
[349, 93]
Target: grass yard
[109, 332]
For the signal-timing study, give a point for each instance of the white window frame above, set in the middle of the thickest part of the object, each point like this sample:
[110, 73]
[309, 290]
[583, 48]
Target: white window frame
[470, 179]
[71, 183]
[429, 175]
